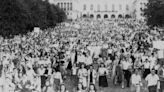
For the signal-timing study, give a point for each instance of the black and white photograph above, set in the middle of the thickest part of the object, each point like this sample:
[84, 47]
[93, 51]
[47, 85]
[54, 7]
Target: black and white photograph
[81, 45]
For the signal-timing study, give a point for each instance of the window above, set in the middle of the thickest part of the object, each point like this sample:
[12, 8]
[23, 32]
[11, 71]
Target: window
[65, 6]
[113, 7]
[98, 7]
[120, 7]
[141, 9]
[61, 5]
[106, 7]
[84, 7]
[127, 7]
[70, 6]
[58, 4]
[91, 7]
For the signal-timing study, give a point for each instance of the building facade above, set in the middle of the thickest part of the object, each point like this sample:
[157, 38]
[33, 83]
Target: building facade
[101, 9]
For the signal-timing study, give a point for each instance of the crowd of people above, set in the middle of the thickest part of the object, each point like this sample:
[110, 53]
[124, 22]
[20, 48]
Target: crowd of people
[89, 51]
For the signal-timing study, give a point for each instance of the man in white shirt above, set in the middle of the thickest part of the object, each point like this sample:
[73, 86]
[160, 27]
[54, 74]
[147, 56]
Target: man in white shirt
[135, 81]
[126, 65]
[152, 81]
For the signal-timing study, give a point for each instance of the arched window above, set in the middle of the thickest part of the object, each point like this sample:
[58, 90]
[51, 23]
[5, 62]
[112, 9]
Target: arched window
[65, 6]
[98, 16]
[120, 16]
[91, 16]
[98, 7]
[113, 16]
[106, 7]
[85, 7]
[113, 7]
[58, 4]
[127, 7]
[127, 16]
[105, 16]
[61, 6]
[70, 6]
[84, 15]
[91, 8]
[120, 7]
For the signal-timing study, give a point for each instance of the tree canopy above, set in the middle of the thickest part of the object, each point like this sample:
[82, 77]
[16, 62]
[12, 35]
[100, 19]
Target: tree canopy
[21, 16]
[154, 13]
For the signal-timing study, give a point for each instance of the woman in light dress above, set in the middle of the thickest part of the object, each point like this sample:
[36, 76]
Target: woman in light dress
[115, 64]
[82, 75]
[57, 79]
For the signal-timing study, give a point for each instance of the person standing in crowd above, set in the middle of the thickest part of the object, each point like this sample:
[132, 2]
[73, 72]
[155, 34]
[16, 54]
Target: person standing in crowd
[41, 72]
[82, 75]
[115, 64]
[74, 75]
[62, 88]
[136, 81]
[126, 66]
[92, 75]
[118, 78]
[102, 73]
[146, 66]
[152, 80]
[1, 77]
[80, 88]
[57, 79]
[92, 88]
[153, 61]
[161, 78]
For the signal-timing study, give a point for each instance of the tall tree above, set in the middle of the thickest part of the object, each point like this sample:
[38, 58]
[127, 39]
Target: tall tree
[155, 12]
[21, 16]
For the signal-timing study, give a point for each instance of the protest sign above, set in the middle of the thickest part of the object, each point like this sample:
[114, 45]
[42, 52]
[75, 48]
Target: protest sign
[36, 29]
[158, 45]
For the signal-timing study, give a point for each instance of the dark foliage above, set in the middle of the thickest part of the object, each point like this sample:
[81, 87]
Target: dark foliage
[21, 16]
[155, 13]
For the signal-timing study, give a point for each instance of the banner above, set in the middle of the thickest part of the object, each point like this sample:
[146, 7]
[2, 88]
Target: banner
[161, 54]
[36, 29]
[158, 45]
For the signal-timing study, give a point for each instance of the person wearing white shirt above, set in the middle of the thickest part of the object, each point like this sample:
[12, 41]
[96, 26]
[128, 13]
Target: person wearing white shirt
[152, 81]
[126, 65]
[135, 81]
[102, 73]
[146, 66]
